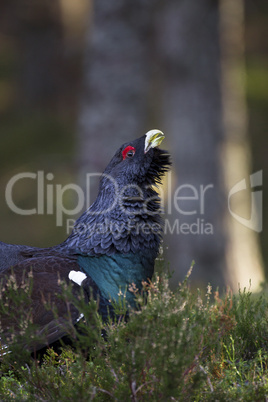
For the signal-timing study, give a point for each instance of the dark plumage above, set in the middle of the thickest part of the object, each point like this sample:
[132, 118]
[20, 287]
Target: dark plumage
[113, 244]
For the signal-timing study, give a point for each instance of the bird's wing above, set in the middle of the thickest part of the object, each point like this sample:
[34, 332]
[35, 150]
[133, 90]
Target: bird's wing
[10, 255]
[13, 254]
[47, 274]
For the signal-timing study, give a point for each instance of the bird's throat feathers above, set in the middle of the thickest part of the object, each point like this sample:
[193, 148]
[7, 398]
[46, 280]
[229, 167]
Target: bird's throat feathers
[126, 216]
[132, 224]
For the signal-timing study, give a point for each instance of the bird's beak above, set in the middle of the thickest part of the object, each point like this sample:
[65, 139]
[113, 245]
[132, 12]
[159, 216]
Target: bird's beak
[152, 139]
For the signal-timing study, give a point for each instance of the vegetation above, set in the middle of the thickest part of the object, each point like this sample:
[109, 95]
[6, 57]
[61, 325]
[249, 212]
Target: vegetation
[177, 346]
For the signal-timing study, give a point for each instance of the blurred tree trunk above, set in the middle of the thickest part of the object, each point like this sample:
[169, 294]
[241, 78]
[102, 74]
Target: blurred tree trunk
[114, 104]
[189, 48]
[243, 250]
[158, 64]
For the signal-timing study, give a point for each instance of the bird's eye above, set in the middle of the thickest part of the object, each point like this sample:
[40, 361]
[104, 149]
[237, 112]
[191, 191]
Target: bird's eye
[128, 152]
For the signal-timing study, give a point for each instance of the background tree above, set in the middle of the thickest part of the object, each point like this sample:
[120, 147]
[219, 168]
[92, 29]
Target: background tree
[116, 81]
[192, 116]
[243, 251]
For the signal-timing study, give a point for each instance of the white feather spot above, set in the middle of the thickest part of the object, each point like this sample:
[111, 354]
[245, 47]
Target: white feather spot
[77, 277]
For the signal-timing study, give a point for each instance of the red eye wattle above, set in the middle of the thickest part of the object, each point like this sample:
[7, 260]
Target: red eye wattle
[128, 152]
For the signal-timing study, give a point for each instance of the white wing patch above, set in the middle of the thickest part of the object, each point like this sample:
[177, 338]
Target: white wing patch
[77, 277]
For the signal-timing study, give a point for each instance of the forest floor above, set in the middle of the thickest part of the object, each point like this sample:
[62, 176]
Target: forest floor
[178, 346]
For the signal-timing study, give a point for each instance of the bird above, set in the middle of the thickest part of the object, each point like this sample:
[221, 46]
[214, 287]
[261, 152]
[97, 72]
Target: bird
[113, 246]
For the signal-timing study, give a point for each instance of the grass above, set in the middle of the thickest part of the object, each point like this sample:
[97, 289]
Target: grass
[178, 346]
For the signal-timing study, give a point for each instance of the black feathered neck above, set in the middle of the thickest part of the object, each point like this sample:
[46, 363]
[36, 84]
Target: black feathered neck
[125, 216]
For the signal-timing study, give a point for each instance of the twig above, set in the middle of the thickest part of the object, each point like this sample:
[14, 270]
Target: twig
[208, 379]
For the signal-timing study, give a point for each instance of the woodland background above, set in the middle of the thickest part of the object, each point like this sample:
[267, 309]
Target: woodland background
[69, 99]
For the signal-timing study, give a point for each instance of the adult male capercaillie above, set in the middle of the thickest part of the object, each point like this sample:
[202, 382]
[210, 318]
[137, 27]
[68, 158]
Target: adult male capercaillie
[113, 244]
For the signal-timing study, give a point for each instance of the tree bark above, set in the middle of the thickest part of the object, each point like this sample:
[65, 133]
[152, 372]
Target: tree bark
[189, 49]
[245, 264]
[116, 80]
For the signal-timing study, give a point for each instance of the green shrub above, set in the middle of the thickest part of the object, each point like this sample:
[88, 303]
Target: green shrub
[174, 346]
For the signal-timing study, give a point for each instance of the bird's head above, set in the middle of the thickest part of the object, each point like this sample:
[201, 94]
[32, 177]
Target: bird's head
[139, 162]
[122, 217]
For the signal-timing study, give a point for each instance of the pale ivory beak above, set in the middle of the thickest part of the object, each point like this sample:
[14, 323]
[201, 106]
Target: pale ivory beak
[153, 139]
